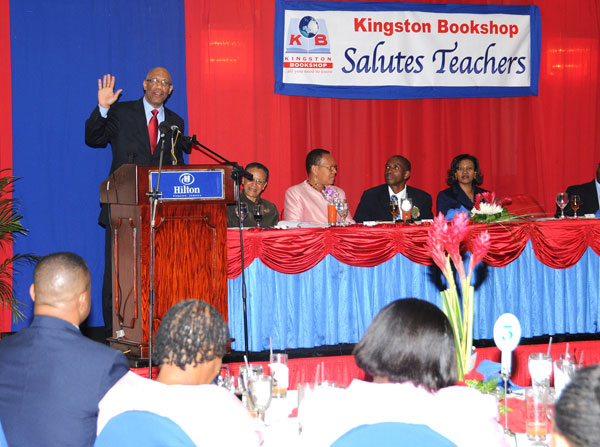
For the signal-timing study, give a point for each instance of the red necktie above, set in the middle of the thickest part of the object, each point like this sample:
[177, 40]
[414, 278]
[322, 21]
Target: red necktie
[153, 130]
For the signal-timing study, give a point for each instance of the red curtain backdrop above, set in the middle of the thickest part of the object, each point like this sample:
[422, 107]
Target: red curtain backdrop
[535, 145]
[6, 120]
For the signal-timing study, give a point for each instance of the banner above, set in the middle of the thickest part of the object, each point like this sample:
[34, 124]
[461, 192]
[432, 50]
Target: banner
[376, 50]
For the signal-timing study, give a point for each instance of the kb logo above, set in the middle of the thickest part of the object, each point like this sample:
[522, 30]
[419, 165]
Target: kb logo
[307, 35]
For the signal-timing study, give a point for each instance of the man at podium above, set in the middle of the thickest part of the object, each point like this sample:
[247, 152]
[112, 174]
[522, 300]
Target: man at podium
[132, 129]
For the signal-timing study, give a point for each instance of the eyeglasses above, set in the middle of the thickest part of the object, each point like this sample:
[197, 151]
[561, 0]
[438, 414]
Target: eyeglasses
[331, 168]
[259, 182]
[161, 82]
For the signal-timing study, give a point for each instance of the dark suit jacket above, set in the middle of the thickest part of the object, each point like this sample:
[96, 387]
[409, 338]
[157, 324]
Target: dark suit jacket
[126, 130]
[589, 199]
[269, 210]
[51, 380]
[455, 197]
[375, 204]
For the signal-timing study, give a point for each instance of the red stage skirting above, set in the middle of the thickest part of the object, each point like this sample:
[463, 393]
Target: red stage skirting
[342, 369]
[556, 243]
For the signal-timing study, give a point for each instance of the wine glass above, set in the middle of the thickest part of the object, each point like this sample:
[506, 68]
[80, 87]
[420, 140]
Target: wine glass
[575, 203]
[394, 208]
[260, 388]
[561, 200]
[341, 205]
[258, 215]
[242, 209]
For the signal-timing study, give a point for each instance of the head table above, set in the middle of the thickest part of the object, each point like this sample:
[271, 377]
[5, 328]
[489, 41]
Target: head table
[322, 286]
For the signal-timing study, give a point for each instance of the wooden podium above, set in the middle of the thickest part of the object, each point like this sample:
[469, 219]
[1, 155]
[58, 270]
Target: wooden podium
[190, 244]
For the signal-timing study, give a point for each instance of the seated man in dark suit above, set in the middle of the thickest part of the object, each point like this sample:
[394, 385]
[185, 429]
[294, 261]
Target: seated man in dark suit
[52, 377]
[375, 202]
[590, 196]
[251, 196]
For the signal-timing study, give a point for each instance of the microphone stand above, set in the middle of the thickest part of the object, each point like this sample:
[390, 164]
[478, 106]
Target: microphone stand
[236, 175]
[505, 377]
[154, 196]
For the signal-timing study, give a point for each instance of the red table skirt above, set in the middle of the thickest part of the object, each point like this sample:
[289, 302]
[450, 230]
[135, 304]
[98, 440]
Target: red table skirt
[556, 243]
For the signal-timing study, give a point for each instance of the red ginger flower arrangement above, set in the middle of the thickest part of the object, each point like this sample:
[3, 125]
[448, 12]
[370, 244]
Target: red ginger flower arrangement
[443, 243]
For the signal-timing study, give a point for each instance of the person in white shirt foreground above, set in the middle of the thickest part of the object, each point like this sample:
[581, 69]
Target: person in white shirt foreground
[409, 351]
[577, 412]
[190, 344]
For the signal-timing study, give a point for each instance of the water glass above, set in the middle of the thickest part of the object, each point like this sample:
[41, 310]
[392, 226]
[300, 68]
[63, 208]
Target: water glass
[540, 369]
[280, 373]
[394, 208]
[247, 373]
[564, 370]
[536, 416]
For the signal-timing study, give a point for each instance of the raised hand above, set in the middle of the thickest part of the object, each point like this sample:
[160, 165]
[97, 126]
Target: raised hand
[106, 94]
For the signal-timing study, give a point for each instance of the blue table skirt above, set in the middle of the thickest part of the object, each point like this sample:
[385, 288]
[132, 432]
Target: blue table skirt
[334, 303]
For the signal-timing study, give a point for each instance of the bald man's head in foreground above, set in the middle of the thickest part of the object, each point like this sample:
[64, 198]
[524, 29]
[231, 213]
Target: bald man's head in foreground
[61, 287]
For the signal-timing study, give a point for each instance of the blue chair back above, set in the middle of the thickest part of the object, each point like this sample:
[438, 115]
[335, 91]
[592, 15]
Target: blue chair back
[144, 429]
[392, 434]
[3, 442]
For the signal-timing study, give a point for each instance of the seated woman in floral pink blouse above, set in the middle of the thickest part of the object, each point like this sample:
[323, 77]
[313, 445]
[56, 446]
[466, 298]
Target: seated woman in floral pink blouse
[306, 201]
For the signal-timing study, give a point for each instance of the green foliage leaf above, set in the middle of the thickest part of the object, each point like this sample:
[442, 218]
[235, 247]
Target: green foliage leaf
[11, 226]
[490, 386]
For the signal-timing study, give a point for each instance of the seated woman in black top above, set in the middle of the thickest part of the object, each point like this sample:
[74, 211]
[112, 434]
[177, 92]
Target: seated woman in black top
[463, 177]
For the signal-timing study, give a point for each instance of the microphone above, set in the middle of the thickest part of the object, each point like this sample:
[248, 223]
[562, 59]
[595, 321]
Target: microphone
[248, 175]
[163, 128]
[175, 128]
[188, 142]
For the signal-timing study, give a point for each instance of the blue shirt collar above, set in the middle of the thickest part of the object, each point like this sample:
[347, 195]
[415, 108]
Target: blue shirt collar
[148, 108]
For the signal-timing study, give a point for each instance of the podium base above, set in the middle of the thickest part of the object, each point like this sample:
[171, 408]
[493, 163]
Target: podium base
[132, 348]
